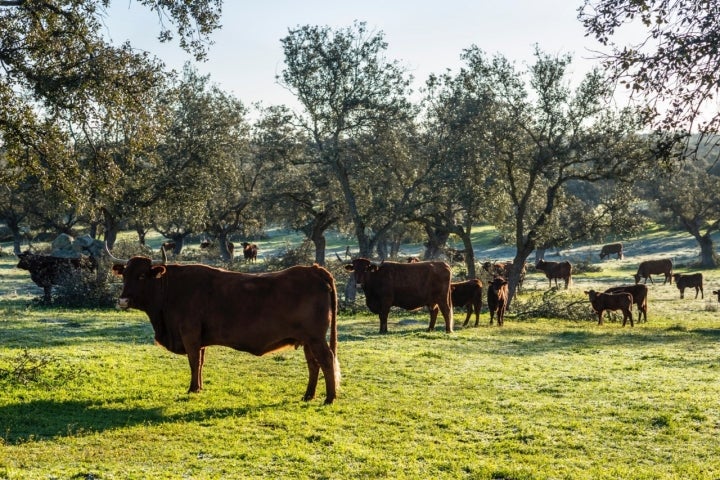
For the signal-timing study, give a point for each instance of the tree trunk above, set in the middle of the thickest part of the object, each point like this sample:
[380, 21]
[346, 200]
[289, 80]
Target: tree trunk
[320, 243]
[708, 259]
[436, 240]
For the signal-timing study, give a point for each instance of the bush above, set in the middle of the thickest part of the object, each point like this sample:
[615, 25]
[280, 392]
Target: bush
[553, 303]
[46, 370]
[84, 289]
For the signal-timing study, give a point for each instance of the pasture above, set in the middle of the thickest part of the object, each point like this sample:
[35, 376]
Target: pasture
[86, 394]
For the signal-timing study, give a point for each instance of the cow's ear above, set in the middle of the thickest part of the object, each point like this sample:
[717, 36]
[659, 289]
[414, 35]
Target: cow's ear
[349, 267]
[118, 269]
[372, 268]
[158, 271]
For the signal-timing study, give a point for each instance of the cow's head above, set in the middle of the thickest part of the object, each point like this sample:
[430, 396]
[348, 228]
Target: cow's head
[25, 260]
[361, 267]
[592, 294]
[717, 292]
[497, 283]
[637, 278]
[140, 276]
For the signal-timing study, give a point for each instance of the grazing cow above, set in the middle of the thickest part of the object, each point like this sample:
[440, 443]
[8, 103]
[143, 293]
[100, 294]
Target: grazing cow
[689, 280]
[192, 307]
[555, 270]
[654, 267]
[611, 301]
[717, 292]
[468, 294]
[502, 269]
[250, 251]
[497, 298]
[405, 285]
[46, 270]
[639, 293]
[611, 249]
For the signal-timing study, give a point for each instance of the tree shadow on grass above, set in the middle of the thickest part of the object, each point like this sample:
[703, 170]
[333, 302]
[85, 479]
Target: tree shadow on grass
[43, 420]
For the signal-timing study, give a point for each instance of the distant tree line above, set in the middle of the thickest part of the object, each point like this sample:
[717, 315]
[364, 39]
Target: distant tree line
[107, 139]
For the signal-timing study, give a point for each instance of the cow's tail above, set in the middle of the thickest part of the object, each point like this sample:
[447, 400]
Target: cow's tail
[333, 330]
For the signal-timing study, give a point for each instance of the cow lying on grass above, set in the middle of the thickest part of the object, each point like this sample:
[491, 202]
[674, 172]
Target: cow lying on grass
[611, 301]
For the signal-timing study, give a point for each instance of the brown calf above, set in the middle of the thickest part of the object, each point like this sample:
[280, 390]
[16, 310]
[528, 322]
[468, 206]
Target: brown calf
[468, 294]
[640, 297]
[689, 280]
[611, 301]
[497, 299]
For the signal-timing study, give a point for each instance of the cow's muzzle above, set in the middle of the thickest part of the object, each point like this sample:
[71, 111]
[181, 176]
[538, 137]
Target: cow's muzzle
[123, 303]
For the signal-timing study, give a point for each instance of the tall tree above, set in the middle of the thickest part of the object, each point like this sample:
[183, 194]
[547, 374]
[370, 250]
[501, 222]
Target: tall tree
[544, 135]
[346, 89]
[672, 66]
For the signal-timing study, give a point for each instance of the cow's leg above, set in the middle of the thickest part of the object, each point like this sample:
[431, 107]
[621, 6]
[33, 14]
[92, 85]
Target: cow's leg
[201, 364]
[468, 309]
[325, 359]
[600, 314]
[194, 355]
[699, 289]
[433, 316]
[447, 313]
[384, 312]
[313, 370]
[47, 297]
[477, 309]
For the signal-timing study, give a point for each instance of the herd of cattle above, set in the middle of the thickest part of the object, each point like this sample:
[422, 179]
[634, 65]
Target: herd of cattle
[195, 306]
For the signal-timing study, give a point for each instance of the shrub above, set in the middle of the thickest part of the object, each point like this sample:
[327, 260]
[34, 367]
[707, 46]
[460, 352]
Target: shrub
[553, 303]
[84, 289]
[43, 369]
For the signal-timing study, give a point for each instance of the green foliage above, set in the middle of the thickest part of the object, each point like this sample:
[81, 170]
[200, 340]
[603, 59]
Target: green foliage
[83, 289]
[44, 370]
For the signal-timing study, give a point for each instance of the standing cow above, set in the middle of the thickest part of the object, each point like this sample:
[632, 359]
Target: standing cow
[192, 307]
[250, 251]
[498, 299]
[468, 294]
[555, 270]
[611, 301]
[689, 280]
[46, 270]
[639, 293]
[648, 268]
[405, 285]
[612, 249]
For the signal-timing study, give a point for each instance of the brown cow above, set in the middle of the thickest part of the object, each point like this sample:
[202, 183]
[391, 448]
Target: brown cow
[612, 249]
[555, 270]
[498, 299]
[194, 306]
[689, 280]
[654, 267]
[405, 285]
[250, 251]
[611, 301]
[502, 269]
[639, 293]
[717, 292]
[468, 294]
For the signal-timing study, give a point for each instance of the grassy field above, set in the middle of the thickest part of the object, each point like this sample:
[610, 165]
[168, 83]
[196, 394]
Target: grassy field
[85, 394]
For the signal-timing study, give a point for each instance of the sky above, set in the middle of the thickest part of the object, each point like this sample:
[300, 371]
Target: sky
[423, 36]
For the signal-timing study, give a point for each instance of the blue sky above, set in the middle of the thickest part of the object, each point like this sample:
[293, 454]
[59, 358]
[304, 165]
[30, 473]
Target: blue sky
[424, 36]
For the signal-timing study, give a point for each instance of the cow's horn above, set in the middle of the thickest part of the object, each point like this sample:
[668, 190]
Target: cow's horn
[113, 258]
[164, 257]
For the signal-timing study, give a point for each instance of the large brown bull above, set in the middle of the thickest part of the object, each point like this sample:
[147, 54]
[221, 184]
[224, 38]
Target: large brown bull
[611, 301]
[405, 285]
[468, 294]
[194, 306]
[648, 268]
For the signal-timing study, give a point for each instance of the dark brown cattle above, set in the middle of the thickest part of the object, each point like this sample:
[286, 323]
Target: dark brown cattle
[405, 285]
[639, 293]
[689, 280]
[612, 301]
[611, 249]
[192, 307]
[250, 251]
[497, 298]
[502, 269]
[468, 294]
[654, 267]
[46, 270]
[555, 270]
[169, 245]
[717, 292]
[412, 260]
[206, 243]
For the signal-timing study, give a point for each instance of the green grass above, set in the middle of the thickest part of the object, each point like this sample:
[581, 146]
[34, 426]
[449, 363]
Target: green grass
[539, 398]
